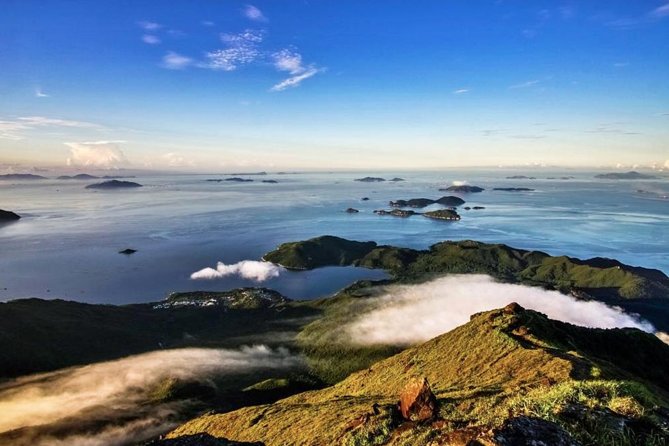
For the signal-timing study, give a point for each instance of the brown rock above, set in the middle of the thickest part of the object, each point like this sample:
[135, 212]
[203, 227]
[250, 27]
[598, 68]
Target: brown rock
[417, 402]
[513, 308]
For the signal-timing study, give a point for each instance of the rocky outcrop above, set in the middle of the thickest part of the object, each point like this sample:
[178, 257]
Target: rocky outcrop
[442, 214]
[395, 212]
[519, 431]
[6, 216]
[114, 184]
[423, 202]
[463, 189]
[370, 179]
[417, 402]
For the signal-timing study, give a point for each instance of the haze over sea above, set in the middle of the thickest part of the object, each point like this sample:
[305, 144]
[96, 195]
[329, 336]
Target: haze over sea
[66, 245]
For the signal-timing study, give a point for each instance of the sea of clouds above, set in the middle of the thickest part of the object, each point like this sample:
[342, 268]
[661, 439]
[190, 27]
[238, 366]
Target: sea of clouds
[410, 314]
[111, 389]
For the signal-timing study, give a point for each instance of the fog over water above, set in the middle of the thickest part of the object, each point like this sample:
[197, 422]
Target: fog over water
[66, 245]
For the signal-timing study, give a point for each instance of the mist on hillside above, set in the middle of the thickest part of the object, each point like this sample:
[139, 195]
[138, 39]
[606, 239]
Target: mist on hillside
[112, 401]
[410, 314]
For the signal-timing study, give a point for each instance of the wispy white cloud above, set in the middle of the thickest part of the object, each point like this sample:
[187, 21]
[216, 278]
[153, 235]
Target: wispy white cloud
[461, 91]
[207, 23]
[253, 13]
[527, 84]
[661, 11]
[246, 269]
[290, 61]
[40, 94]
[101, 154]
[150, 39]
[295, 81]
[149, 26]
[175, 61]
[15, 129]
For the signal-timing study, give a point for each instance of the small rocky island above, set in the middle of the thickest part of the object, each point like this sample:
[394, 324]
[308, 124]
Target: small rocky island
[6, 216]
[239, 180]
[80, 176]
[442, 214]
[462, 189]
[514, 189]
[21, 176]
[270, 181]
[114, 184]
[370, 179]
[128, 251]
[396, 179]
[352, 211]
[632, 175]
[520, 177]
[423, 202]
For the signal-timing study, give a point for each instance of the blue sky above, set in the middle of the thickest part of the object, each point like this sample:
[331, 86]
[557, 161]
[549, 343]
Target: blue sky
[219, 84]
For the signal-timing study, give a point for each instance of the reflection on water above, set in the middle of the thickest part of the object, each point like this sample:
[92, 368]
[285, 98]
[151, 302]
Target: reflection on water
[68, 241]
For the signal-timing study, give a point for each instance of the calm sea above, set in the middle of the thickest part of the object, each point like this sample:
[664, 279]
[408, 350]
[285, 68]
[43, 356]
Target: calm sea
[66, 245]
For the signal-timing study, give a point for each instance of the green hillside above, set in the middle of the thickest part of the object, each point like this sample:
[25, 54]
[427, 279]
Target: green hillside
[503, 367]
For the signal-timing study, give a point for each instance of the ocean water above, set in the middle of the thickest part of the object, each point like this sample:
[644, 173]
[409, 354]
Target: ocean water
[66, 245]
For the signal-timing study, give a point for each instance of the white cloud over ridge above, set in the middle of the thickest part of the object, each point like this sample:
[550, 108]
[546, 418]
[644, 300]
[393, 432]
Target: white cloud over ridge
[105, 390]
[427, 310]
[101, 154]
[246, 269]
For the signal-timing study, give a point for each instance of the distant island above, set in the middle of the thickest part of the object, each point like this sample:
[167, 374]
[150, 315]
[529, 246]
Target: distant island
[423, 202]
[239, 180]
[81, 176]
[631, 175]
[514, 189]
[396, 179]
[21, 176]
[370, 179]
[246, 174]
[6, 216]
[520, 177]
[462, 189]
[114, 184]
[270, 181]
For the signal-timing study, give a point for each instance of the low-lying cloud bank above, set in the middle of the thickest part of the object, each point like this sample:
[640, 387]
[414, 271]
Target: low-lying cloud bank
[246, 269]
[409, 314]
[117, 393]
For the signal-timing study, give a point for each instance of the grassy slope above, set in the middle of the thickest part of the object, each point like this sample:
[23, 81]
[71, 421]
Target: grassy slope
[501, 362]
